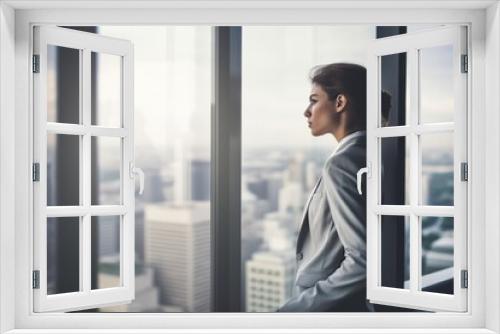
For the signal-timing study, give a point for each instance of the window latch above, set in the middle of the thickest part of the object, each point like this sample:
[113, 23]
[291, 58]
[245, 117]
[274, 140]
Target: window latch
[136, 171]
[365, 170]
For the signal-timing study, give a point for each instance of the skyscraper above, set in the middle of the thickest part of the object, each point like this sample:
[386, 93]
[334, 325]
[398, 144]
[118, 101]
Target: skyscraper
[200, 179]
[269, 280]
[177, 240]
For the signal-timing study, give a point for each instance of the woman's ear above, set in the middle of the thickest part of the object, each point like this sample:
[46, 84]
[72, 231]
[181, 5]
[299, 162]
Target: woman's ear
[340, 102]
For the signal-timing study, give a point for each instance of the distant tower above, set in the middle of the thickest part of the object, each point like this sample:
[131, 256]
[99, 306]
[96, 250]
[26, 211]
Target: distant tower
[182, 171]
[275, 183]
[191, 175]
[200, 180]
[177, 239]
[269, 281]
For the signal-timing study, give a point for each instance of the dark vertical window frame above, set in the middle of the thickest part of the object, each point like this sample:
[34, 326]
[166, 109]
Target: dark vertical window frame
[225, 201]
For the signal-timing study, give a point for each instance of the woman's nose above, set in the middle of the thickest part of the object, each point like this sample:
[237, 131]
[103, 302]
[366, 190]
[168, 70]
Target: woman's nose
[307, 112]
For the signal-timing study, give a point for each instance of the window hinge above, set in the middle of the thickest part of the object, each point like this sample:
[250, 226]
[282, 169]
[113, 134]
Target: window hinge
[465, 64]
[464, 171]
[36, 63]
[464, 279]
[36, 172]
[36, 279]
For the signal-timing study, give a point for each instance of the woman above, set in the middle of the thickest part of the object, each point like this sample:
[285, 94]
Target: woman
[331, 245]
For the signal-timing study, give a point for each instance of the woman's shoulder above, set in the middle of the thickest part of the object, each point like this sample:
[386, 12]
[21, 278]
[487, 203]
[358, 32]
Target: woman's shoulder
[347, 161]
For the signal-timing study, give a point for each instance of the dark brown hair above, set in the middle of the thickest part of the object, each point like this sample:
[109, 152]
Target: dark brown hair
[347, 79]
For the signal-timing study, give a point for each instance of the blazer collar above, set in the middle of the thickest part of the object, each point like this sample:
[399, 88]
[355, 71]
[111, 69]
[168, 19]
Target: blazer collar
[347, 139]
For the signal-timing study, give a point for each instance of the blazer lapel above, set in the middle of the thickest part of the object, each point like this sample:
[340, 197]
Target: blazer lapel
[303, 226]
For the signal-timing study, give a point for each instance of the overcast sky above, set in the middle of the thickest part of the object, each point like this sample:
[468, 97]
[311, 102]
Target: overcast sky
[173, 81]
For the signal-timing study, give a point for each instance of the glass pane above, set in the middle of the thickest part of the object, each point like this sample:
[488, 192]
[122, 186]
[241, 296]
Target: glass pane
[437, 169]
[63, 255]
[395, 252]
[436, 84]
[437, 254]
[63, 84]
[108, 90]
[106, 169]
[282, 157]
[173, 85]
[393, 72]
[395, 169]
[105, 252]
[63, 169]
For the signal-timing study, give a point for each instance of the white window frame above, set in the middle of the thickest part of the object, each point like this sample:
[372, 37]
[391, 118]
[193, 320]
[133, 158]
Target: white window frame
[413, 296]
[86, 297]
[483, 18]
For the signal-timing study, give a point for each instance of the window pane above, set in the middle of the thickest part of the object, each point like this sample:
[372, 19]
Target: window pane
[437, 169]
[437, 254]
[282, 158]
[106, 252]
[63, 255]
[63, 84]
[395, 252]
[108, 90]
[395, 159]
[106, 188]
[172, 82]
[393, 109]
[436, 84]
[63, 169]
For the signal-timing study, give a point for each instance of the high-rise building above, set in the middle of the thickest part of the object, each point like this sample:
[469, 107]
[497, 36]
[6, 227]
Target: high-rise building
[258, 186]
[153, 186]
[200, 180]
[191, 174]
[177, 245]
[269, 280]
[275, 183]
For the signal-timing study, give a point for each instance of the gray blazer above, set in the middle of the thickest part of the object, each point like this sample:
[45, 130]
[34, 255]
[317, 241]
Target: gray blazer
[331, 245]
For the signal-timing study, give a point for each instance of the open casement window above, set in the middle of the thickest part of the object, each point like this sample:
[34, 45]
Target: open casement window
[417, 161]
[82, 138]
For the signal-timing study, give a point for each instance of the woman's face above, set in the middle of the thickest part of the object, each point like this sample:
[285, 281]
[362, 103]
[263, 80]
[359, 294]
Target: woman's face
[321, 113]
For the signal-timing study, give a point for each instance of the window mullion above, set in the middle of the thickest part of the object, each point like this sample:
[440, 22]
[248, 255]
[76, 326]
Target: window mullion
[225, 199]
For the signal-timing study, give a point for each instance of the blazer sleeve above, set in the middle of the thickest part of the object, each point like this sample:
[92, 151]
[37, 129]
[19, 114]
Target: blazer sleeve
[348, 212]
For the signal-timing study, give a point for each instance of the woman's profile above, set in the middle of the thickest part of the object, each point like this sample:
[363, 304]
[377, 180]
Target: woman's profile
[331, 244]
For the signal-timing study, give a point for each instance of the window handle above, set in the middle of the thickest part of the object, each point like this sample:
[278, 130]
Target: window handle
[359, 176]
[136, 171]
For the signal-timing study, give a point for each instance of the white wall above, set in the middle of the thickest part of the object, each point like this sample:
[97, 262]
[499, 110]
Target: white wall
[6, 165]
[492, 199]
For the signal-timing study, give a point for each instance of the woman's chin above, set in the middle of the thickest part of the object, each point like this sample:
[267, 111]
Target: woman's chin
[314, 133]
